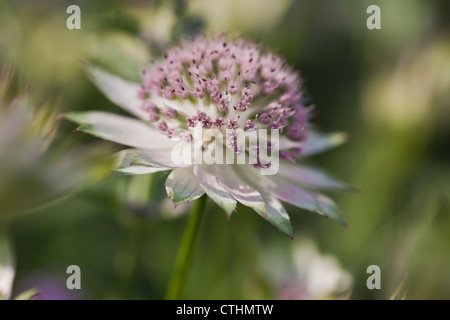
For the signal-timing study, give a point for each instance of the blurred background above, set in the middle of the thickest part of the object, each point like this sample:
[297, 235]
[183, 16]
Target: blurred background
[389, 89]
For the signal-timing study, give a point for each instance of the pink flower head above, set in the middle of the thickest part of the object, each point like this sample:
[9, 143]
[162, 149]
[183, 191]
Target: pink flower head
[234, 78]
[229, 85]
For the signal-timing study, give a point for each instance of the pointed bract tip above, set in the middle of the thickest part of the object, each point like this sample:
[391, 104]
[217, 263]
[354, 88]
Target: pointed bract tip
[340, 138]
[80, 128]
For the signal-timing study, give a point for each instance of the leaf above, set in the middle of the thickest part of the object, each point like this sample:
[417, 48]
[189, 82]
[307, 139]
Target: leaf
[27, 295]
[397, 295]
[181, 186]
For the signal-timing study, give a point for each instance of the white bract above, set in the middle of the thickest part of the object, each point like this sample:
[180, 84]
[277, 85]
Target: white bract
[7, 271]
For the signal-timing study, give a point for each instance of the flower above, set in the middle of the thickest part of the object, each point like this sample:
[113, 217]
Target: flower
[30, 163]
[310, 275]
[7, 270]
[233, 86]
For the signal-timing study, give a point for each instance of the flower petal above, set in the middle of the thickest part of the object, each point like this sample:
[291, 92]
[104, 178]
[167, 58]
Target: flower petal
[277, 215]
[123, 130]
[7, 271]
[296, 196]
[240, 189]
[183, 107]
[310, 177]
[207, 179]
[136, 169]
[181, 186]
[274, 211]
[137, 161]
[121, 92]
[307, 200]
[318, 142]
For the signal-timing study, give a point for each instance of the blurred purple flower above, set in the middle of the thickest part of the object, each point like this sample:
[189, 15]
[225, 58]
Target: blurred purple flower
[50, 287]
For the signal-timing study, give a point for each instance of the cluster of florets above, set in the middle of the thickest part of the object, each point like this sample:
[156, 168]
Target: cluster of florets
[231, 84]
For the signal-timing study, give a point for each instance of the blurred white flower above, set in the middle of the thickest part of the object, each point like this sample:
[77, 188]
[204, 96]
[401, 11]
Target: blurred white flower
[7, 271]
[310, 275]
[34, 170]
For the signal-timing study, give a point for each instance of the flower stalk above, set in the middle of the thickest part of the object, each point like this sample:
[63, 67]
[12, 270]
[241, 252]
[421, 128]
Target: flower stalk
[184, 257]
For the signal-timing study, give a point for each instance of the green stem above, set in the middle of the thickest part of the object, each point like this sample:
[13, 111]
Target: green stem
[184, 257]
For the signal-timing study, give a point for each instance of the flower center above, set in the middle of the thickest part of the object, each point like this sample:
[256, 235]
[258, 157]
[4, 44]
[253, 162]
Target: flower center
[223, 84]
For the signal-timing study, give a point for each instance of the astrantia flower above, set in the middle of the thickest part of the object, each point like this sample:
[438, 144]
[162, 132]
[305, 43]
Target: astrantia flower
[33, 169]
[233, 86]
[7, 271]
[309, 275]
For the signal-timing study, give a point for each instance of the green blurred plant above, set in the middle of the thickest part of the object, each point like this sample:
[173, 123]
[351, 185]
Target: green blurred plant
[34, 170]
